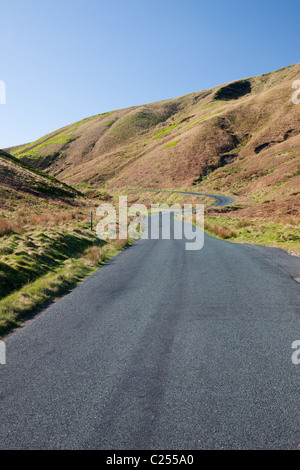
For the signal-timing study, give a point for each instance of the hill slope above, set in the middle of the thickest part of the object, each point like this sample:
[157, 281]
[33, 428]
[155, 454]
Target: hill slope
[241, 138]
[16, 175]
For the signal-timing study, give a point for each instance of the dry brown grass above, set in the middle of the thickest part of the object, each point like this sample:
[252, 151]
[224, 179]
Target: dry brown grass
[287, 220]
[95, 255]
[243, 223]
[7, 227]
[220, 230]
[98, 254]
[52, 219]
[120, 244]
[96, 194]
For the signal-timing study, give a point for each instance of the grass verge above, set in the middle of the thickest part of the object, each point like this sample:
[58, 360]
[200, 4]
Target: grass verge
[33, 296]
[282, 232]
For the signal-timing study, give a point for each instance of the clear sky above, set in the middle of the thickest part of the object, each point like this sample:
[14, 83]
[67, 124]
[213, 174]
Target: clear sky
[64, 60]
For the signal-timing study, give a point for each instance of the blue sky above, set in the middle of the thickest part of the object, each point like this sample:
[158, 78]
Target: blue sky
[68, 59]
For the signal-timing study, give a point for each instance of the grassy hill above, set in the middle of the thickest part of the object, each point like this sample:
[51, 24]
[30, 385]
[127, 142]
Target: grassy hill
[17, 175]
[241, 138]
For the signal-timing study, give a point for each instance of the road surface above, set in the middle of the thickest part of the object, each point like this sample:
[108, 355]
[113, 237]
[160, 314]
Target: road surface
[161, 348]
[221, 201]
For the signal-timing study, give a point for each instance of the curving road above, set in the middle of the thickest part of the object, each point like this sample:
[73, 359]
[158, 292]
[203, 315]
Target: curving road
[221, 201]
[161, 348]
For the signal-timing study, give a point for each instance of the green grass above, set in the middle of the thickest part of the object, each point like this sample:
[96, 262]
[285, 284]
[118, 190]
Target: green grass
[171, 144]
[25, 257]
[37, 269]
[167, 129]
[34, 150]
[19, 305]
[137, 123]
[282, 233]
[203, 119]
[64, 137]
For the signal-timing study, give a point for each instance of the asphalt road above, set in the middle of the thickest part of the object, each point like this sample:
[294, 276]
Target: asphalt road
[221, 201]
[161, 348]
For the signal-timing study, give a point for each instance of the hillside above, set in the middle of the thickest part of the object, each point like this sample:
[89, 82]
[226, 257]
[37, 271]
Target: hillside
[18, 176]
[239, 139]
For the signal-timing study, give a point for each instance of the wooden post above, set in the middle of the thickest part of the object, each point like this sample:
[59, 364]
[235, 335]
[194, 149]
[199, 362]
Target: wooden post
[91, 221]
